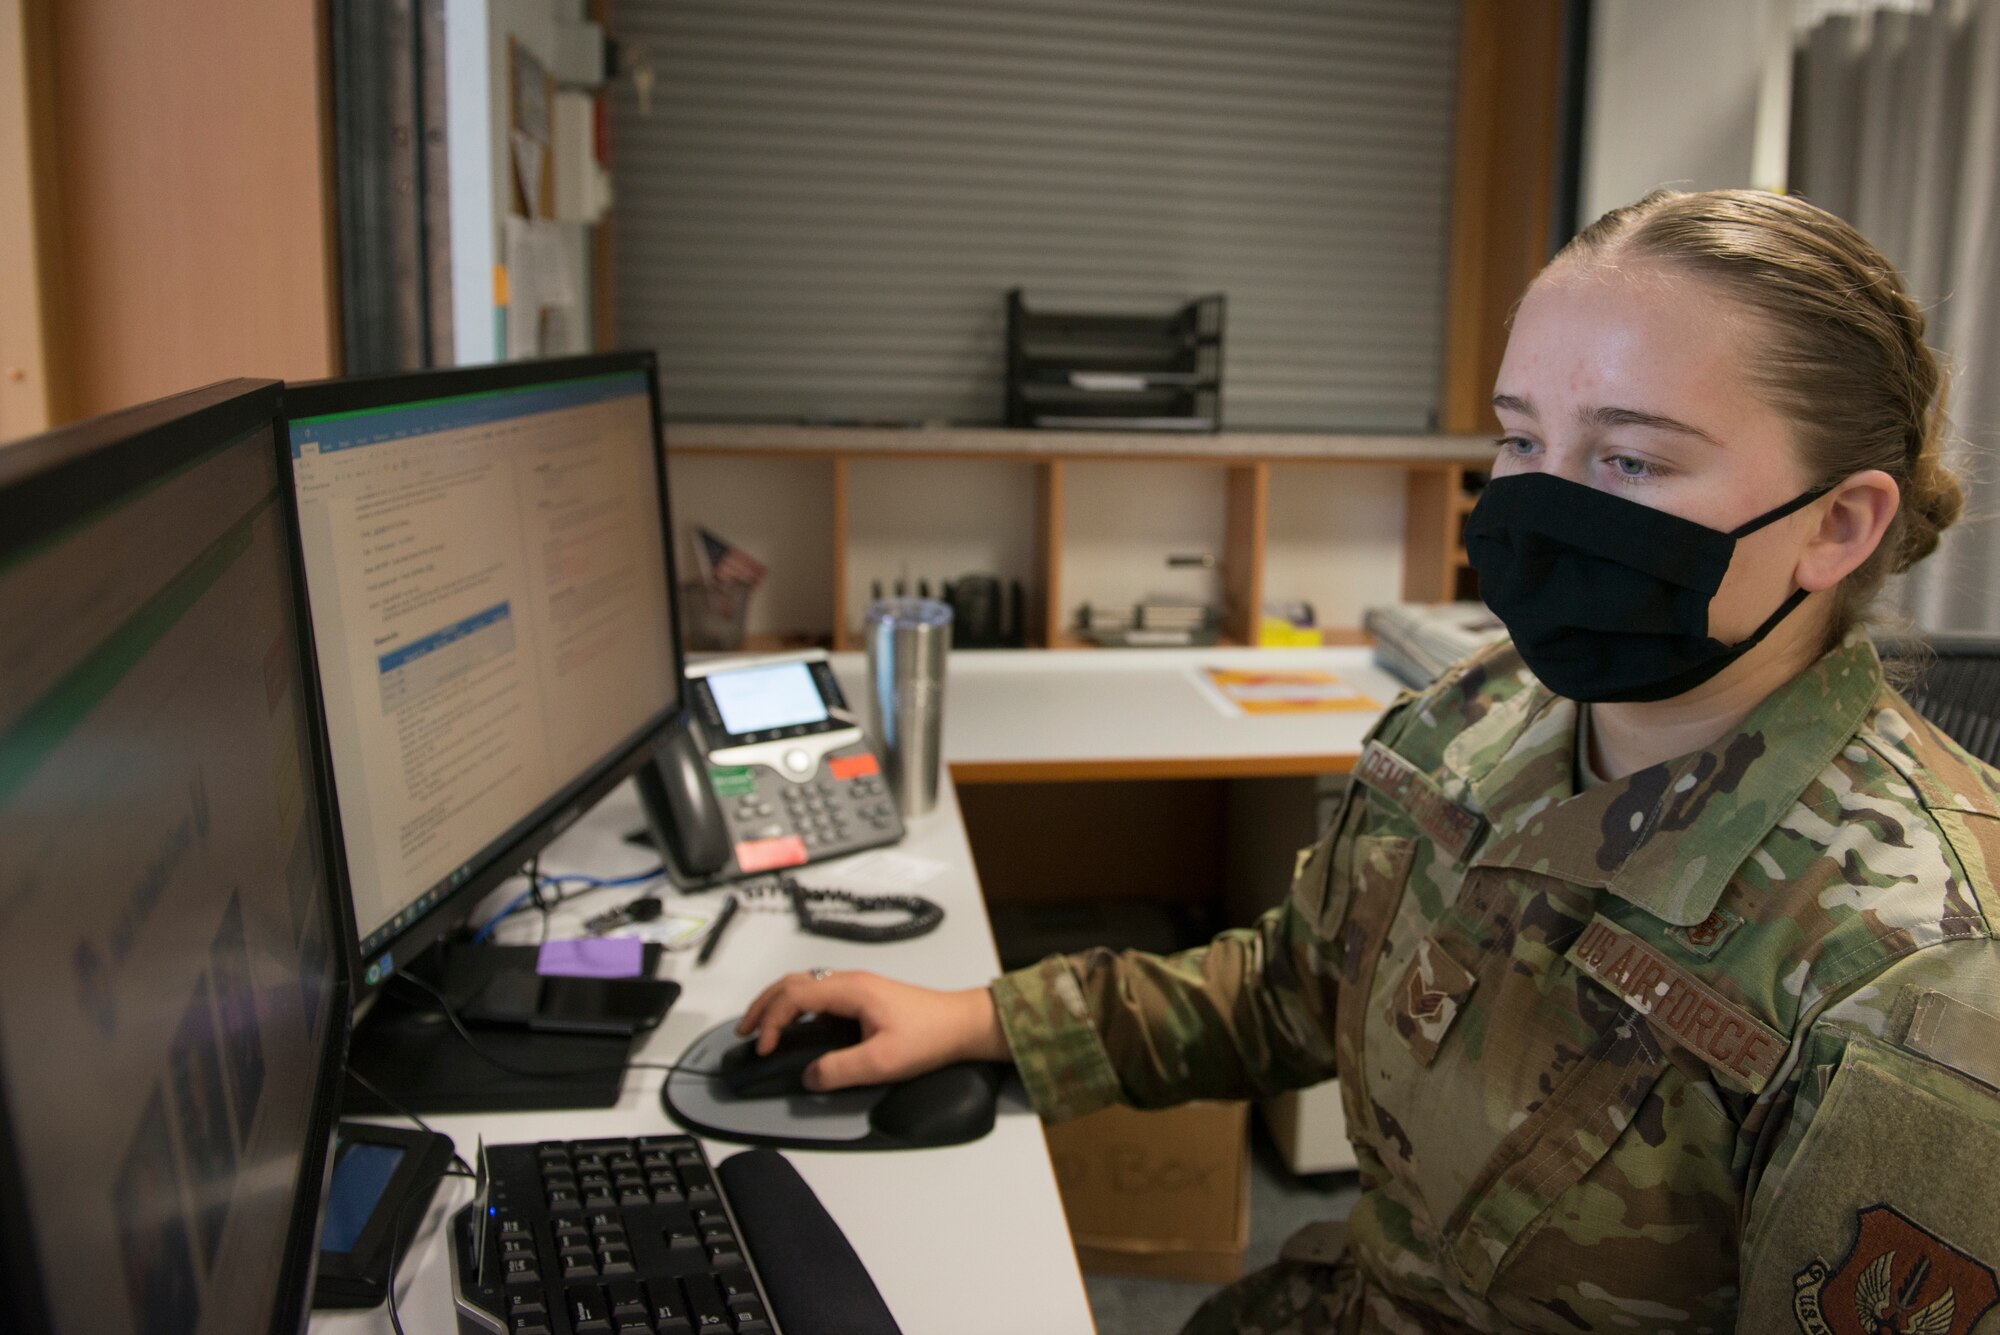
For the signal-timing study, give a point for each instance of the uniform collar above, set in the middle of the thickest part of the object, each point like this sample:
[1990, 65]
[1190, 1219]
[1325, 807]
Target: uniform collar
[1668, 838]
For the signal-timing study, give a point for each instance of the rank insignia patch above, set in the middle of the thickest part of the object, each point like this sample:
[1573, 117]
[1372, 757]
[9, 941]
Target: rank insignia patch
[1706, 937]
[1429, 998]
[1899, 1278]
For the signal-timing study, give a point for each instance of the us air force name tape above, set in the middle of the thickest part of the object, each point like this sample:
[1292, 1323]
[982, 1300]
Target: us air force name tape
[1735, 1044]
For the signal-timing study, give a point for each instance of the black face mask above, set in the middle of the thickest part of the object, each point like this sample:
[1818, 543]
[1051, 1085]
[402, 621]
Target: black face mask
[1607, 599]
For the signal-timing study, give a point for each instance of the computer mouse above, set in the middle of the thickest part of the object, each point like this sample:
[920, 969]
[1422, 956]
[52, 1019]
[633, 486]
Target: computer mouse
[780, 1073]
[948, 1106]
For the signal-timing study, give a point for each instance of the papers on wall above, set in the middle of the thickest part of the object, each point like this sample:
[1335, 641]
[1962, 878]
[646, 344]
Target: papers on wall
[1240, 693]
[542, 292]
[528, 154]
[582, 187]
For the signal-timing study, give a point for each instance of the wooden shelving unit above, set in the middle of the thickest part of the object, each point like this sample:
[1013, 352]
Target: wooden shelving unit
[1434, 561]
[1436, 499]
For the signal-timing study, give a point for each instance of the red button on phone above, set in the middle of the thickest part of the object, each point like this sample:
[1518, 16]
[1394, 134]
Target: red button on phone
[853, 767]
[764, 854]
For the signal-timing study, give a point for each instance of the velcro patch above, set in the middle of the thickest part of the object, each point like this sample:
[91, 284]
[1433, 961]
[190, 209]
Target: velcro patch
[1683, 1009]
[1451, 826]
[1956, 1035]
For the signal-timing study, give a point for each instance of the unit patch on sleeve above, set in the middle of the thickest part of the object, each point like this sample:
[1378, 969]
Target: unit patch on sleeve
[1683, 1009]
[1899, 1278]
[1453, 827]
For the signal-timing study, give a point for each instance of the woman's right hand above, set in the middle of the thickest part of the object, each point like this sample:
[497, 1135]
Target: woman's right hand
[905, 1030]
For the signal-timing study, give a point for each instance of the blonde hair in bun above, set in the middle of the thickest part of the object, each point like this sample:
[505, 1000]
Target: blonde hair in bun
[1932, 498]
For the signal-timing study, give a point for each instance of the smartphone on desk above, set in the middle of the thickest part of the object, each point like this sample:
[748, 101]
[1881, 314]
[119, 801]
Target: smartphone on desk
[768, 770]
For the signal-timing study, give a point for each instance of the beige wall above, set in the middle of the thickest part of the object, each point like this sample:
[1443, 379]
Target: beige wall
[1693, 95]
[191, 192]
[24, 396]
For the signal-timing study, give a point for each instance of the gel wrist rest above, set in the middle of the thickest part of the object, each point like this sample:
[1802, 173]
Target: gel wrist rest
[816, 1284]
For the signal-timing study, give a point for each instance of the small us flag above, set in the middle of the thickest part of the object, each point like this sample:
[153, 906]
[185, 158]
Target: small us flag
[723, 563]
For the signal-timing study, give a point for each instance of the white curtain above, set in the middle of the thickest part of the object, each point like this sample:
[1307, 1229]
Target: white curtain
[1896, 127]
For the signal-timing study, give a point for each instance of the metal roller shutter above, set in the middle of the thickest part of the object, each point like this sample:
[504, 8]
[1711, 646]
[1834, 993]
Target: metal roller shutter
[820, 215]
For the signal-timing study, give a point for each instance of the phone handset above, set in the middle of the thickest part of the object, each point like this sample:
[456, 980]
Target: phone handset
[686, 820]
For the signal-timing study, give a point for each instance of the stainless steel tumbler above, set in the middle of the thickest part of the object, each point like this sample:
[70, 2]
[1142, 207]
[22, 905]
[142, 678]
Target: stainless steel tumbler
[907, 638]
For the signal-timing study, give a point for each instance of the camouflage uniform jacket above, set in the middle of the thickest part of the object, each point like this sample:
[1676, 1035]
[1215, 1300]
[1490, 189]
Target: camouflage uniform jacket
[1710, 1047]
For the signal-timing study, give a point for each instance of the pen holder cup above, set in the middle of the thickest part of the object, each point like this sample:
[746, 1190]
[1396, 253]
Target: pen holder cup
[713, 619]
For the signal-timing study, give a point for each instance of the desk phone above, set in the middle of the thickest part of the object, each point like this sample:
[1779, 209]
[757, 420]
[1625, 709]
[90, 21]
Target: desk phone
[772, 771]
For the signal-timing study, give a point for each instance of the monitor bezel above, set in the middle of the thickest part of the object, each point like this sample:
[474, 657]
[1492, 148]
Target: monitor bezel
[49, 484]
[536, 831]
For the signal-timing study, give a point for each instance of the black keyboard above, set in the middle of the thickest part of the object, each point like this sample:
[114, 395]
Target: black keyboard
[603, 1237]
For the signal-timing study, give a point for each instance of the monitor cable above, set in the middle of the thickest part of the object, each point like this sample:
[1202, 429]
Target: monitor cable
[459, 1168]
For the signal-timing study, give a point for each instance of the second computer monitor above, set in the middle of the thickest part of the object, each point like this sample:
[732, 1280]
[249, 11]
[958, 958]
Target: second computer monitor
[172, 1007]
[490, 580]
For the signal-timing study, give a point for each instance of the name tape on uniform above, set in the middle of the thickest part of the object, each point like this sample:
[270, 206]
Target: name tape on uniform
[1451, 826]
[1682, 1007]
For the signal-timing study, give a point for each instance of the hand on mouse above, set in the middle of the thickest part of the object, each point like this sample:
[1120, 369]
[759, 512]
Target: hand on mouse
[905, 1030]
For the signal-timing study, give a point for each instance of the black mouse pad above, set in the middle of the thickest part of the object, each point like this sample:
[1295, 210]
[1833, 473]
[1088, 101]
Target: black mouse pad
[696, 1100]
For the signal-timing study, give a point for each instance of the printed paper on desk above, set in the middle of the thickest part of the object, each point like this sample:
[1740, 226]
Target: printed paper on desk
[888, 871]
[1238, 692]
[675, 931]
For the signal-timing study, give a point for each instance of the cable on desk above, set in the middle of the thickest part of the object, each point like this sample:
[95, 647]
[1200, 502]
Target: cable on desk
[396, 1236]
[559, 880]
[462, 1168]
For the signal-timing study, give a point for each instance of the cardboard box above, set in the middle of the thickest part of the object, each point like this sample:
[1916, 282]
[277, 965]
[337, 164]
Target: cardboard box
[1310, 1126]
[1157, 1193]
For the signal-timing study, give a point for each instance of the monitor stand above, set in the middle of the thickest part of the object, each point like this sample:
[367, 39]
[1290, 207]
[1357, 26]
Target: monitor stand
[409, 1049]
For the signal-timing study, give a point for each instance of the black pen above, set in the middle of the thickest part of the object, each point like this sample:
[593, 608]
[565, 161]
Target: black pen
[715, 932]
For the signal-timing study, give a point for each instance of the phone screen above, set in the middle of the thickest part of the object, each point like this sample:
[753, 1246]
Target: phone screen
[782, 695]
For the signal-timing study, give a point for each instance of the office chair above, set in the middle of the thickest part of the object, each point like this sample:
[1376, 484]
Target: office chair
[1957, 687]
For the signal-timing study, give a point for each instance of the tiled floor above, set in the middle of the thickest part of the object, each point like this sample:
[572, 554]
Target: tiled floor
[1279, 1204]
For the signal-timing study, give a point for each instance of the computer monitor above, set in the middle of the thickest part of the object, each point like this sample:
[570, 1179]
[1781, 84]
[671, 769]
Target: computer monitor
[173, 1006]
[491, 586]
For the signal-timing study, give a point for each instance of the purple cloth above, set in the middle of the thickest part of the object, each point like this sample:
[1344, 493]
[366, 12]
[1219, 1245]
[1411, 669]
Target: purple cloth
[592, 957]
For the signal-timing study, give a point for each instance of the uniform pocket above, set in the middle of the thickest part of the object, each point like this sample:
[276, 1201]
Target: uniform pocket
[1552, 1149]
[1381, 868]
[1381, 872]
[1323, 880]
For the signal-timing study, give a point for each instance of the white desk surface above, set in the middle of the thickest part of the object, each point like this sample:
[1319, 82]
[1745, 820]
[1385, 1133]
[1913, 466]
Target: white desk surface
[1134, 713]
[968, 1239]
[960, 1241]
